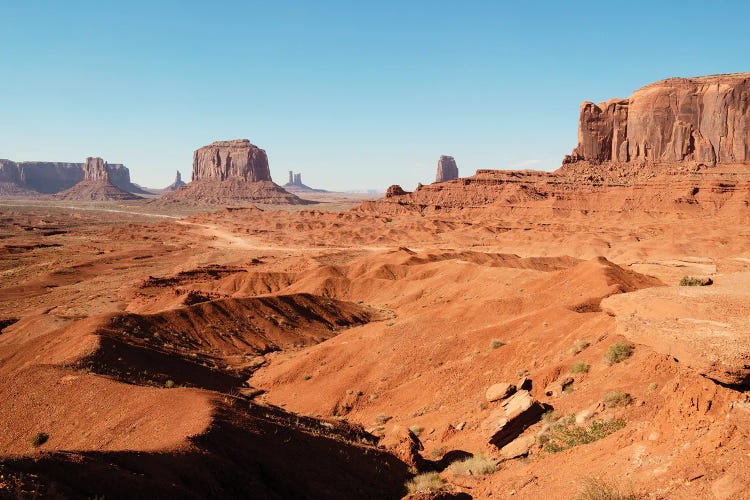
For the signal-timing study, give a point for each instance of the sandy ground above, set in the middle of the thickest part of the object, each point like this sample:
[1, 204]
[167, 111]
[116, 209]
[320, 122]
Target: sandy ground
[127, 330]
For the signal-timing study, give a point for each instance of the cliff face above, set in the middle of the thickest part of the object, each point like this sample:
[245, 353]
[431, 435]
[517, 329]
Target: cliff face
[447, 170]
[704, 120]
[53, 177]
[95, 169]
[237, 159]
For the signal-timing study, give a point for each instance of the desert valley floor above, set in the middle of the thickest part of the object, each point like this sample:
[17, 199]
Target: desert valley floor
[342, 349]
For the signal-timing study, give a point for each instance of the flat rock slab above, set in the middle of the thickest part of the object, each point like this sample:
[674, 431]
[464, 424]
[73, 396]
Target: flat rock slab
[509, 421]
[706, 328]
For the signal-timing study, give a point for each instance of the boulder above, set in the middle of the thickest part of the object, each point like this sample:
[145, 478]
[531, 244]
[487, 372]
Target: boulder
[516, 414]
[395, 190]
[235, 159]
[499, 391]
[447, 170]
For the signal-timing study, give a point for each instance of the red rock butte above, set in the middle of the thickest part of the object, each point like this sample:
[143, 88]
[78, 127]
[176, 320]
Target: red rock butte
[237, 158]
[704, 119]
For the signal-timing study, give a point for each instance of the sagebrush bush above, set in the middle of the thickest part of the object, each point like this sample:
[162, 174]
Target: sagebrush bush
[476, 465]
[596, 489]
[579, 367]
[428, 482]
[617, 398]
[565, 433]
[690, 281]
[617, 352]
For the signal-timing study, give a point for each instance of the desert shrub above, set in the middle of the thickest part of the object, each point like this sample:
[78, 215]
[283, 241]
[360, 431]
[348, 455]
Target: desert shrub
[169, 384]
[306, 376]
[495, 343]
[550, 416]
[596, 489]
[652, 386]
[619, 351]
[617, 398]
[39, 439]
[580, 345]
[476, 465]
[691, 281]
[382, 418]
[579, 367]
[428, 482]
[565, 433]
[416, 429]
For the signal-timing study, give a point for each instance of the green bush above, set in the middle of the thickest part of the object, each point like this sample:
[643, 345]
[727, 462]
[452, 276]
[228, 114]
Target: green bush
[476, 465]
[579, 367]
[430, 482]
[39, 439]
[619, 351]
[306, 376]
[495, 343]
[617, 398]
[565, 433]
[169, 384]
[691, 281]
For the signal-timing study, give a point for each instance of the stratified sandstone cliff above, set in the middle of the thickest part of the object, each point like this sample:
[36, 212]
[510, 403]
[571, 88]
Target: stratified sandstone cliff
[34, 177]
[447, 170]
[239, 159]
[703, 120]
[96, 184]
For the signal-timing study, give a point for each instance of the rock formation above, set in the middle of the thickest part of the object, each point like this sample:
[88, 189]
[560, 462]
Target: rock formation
[237, 159]
[177, 184]
[96, 184]
[295, 184]
[95, 170]
[226, 172]
[447, 170]
[35, 177]
[704, 120]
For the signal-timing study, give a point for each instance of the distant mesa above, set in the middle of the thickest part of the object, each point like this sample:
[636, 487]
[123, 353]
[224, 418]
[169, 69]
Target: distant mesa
[32, 178]
[447, 170]
[703, 120]
[295, 184]
[96, 185]
[233, 171]
[177, 184]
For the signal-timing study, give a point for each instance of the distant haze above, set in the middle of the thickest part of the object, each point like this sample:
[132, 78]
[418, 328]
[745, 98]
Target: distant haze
[354, 95]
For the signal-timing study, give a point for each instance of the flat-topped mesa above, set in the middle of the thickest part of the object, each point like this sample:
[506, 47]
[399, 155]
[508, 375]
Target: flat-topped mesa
[95, 169]
[447, 170]
[702, 120]
[238, 159]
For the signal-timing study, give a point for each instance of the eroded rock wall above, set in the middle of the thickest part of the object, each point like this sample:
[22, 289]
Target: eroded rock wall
[704, 120]
[238, 159]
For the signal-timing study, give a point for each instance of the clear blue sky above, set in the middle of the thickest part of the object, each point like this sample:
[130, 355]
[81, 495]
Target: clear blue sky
[352, 94]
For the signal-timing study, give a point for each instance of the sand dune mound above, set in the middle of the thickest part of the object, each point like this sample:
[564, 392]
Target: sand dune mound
[229, 191]
[95, 190]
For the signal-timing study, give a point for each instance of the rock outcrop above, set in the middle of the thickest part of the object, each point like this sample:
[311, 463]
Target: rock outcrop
[516, 414]
[295, 184]
[177, 184]
[95, 169]
[447, 170]
[704, 120]
[96, 184]
[236, 159]
[36, 177]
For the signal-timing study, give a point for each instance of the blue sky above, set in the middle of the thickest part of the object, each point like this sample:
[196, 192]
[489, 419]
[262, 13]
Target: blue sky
[354, 95]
